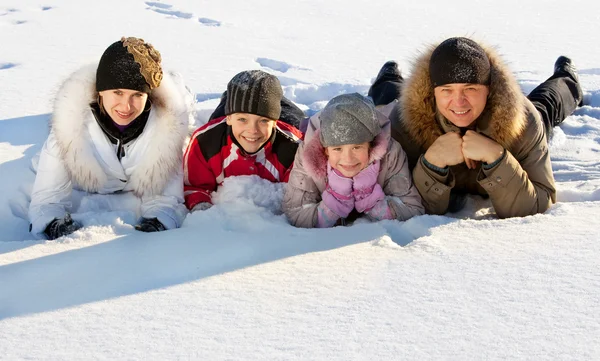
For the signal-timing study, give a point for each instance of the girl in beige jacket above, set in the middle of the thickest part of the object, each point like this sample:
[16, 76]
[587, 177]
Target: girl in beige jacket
[349, 167]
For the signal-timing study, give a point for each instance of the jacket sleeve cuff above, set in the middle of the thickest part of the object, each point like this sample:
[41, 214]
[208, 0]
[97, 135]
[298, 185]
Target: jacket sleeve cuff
[500, 175]
[435, 168]
[46, 215]
[431, 182]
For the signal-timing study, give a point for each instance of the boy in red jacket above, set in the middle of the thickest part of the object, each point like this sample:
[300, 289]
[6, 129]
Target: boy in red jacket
[248, 140]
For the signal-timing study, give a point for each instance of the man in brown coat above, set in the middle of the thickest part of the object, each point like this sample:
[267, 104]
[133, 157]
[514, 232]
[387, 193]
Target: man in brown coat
[468, 129]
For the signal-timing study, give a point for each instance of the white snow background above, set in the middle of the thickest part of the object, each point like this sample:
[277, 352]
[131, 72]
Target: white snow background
[237, 282]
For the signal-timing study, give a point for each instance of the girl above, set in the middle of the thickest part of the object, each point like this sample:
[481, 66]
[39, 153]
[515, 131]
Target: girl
[117, 126]
[348, 167]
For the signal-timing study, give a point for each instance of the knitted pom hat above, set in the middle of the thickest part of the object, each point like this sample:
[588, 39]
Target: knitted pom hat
[254, 92]
[129, 63]
[348, 119]
[459, 60]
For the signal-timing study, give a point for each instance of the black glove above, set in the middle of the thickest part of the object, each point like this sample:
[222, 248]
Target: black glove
[61, 227]
[150, 225]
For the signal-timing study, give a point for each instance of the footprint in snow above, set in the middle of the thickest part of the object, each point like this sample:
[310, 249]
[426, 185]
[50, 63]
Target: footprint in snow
[8, 11]
[166, 10]
[209, 22]
[158, 5]
[4, 66]
[277, 65]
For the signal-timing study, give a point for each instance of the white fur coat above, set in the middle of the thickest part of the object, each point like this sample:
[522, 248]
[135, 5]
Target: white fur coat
[77, 154]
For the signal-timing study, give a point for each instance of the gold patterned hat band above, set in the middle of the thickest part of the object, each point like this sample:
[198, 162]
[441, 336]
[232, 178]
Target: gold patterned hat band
[148, 58]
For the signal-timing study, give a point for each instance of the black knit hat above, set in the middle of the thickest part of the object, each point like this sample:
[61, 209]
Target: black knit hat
[129, 63]
[254, 92]
[459, 60]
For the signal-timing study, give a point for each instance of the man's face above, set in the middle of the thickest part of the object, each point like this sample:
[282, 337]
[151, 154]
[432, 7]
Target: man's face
[461, 103]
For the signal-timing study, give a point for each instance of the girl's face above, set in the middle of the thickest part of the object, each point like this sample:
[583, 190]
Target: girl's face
[348, 159]
[123, 105]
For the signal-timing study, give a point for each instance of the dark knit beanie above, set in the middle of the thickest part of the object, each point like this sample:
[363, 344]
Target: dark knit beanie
[129, 63]
[459, 60]
[254, 92]
[348, 119]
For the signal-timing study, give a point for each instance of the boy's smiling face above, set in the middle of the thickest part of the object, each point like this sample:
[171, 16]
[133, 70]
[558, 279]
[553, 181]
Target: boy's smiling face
[250, 130]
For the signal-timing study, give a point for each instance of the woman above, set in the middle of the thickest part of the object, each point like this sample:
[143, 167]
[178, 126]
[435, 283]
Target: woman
[349, 167]
[117, 126]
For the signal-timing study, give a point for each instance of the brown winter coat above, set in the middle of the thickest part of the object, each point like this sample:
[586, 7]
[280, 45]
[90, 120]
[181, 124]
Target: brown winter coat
[307, 179]
[521, 184]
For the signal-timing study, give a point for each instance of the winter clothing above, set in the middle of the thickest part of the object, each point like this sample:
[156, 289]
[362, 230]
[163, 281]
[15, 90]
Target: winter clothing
[129, 64]
[305, 199]
[367, 193]
[213, 154]
[80, 153]
[61, 227]
[459, 60]
[290, 113]
[348, 119]
[254, 92]
[519, 184]
[150, 225]
[338, 193]
[559, 96]
[387, 84]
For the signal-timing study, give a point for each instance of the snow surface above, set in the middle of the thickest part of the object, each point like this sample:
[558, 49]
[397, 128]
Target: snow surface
[236, 281]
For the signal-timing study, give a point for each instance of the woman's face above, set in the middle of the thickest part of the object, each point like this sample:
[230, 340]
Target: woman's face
[123, 105]
[348, 159]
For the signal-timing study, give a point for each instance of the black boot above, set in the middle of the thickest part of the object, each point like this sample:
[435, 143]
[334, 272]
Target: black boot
[564, 66]
[386, 86]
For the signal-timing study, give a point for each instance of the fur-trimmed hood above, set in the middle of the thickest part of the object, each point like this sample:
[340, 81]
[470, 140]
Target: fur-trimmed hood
[167, 122]
[315, 160]
[504, 118]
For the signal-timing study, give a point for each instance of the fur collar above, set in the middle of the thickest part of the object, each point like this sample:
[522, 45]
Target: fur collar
[72, 115]
[505, 109]
[315, 160]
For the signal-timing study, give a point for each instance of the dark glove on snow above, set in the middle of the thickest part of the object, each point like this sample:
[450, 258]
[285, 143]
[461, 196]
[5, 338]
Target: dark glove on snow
[61, 227]
[150, 225]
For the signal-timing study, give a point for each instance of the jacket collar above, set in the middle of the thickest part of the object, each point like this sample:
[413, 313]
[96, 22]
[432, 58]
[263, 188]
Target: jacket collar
[133, 130]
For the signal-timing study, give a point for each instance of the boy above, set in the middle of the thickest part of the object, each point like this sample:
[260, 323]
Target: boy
[248, 140]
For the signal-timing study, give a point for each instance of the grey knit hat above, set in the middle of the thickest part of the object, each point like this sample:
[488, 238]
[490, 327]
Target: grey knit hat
[254, 92]
[348, 119]
[459, 60]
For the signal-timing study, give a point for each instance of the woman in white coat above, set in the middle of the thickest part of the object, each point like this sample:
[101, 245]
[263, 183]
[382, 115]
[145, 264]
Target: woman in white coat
[117, 126]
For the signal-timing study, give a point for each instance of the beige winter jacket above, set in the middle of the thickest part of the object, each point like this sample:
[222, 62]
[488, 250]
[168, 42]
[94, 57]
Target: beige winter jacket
[309, 174]
[521, 184]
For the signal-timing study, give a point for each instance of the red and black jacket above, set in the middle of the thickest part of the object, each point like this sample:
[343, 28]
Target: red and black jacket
[213, 154]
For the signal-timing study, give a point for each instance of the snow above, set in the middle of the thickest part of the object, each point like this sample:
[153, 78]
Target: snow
[237, 281]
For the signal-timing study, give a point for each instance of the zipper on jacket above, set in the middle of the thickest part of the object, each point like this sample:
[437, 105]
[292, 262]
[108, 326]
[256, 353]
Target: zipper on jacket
[120, 150]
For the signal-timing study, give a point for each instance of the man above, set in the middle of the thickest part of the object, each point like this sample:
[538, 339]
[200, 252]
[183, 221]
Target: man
[467, 128]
